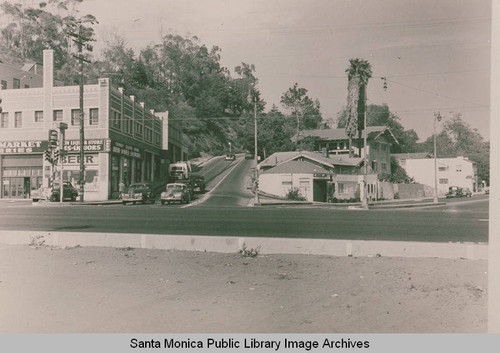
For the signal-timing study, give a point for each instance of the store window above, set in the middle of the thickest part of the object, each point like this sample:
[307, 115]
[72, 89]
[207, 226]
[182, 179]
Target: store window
[4, 120]
[16, 83]
[341, 188]
[443, 181]
[75, 116]
[58, 115]
[38, 116]
[4, 84]
[18, 119]
[94, 116]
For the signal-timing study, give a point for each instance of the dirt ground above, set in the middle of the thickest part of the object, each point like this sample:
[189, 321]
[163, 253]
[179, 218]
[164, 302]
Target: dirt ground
[107, 290]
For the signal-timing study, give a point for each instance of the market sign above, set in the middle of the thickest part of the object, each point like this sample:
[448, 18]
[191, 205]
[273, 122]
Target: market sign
[92, 145]
[14, 147]
[126, 150]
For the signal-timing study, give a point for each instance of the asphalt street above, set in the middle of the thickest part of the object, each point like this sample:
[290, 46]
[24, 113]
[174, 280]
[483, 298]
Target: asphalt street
[224, 211]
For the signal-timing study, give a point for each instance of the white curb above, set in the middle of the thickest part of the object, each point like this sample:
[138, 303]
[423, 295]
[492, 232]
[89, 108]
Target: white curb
[227, 244]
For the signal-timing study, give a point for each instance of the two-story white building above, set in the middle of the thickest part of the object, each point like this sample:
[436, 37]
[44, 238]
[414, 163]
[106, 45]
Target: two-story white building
[459, 171]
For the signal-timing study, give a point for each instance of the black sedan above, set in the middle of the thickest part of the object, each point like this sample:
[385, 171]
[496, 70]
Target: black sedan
[139, 192]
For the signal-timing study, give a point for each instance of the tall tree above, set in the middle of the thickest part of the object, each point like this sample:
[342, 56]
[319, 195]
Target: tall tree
[305, 110]
[458, 138]
[358, 74]
[31, 29]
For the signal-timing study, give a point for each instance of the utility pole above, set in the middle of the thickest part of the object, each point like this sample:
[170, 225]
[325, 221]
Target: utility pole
[255, 152]
[437, 117]
[364, 202]
[81, 40]
[62, 129]
[253, 98]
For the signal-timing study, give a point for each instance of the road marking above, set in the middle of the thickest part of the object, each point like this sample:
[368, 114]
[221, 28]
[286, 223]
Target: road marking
[208, 194]
[483, 220]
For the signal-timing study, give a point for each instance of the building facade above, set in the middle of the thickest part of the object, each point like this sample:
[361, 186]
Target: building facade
[458, 171]
[317, 177]
[336, 142]
[124, 142]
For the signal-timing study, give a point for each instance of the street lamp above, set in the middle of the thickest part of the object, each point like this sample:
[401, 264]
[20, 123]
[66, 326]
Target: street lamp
[253, 98]
[437, 117]
[229, 147]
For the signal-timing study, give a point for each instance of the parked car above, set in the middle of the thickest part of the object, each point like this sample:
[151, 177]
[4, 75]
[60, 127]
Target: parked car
[198, 183]
[230, 157]
[139, 192]
[466, 192]
[69, 192]
[457, 191]
[175, 192]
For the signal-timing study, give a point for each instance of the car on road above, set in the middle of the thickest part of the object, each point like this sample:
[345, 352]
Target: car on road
[466, 192]
[198, 182]
[139, 192]
[230, 157]
[175, 192]
[457, 191]
[69, 192]
[248, 155]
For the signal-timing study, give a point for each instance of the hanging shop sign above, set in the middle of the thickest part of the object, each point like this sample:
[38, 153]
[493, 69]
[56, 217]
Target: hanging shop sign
[92, 145]
[126, 150]
[31, 146]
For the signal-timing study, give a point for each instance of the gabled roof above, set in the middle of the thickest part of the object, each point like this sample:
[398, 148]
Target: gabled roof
[293, 166]
[280, 157]
[373, 132]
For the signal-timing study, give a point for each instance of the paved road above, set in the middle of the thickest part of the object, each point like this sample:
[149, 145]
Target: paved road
[457, 222]
[221, 213]
[233, 191]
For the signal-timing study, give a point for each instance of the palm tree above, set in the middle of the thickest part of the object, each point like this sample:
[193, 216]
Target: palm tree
[358, 74]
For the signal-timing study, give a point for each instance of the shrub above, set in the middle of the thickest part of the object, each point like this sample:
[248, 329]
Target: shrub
[249, 252]
[294, 194]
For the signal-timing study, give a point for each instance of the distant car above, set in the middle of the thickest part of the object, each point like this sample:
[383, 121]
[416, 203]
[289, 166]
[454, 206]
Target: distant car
[175, 192]
[487, 190]
[69, 192]
[198, 182]
[466, 192]
[230, 157]
[139, 192]
[248, 155]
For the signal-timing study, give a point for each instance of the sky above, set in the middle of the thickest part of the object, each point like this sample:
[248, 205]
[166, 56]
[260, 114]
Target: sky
[435, 54]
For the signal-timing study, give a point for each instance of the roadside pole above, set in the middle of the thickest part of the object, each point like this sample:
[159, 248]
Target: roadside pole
[364, 202]
[62, 129]
[437, 116]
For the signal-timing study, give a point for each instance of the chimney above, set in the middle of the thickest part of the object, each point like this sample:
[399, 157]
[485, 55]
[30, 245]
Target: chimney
[120, 89]
[48, 69]
[152, 111]
[142, 104]
[48, 84]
